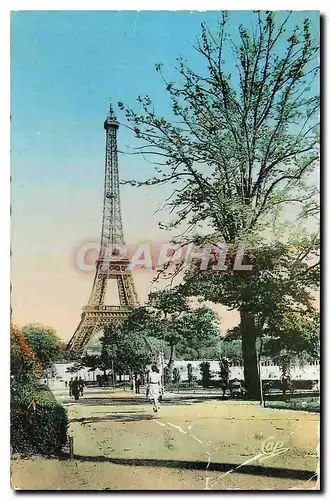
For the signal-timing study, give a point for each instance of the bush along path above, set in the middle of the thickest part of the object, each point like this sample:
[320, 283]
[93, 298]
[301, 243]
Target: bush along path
[38, 422]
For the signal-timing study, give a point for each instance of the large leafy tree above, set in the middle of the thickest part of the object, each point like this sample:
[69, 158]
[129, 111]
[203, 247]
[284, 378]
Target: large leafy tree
[296, 334]
[24, 362]
[44, 341]
[242, 145]
[199, 351]
[180, 324]
[127, 347]
[231, 349]
[109, 345]
[134, 354]
[276, 296]
[65, 354]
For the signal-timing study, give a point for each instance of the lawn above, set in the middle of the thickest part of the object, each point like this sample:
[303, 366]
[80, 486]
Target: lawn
[309, 403]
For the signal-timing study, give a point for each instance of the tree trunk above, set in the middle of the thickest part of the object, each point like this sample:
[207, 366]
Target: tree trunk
[170, 363]
[249, 336]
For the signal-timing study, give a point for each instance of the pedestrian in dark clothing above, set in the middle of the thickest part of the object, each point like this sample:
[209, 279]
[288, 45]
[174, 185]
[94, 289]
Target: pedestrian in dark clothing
[81, 384]
[286, 384]
[75, 388]
[70, 386]
[138, 384]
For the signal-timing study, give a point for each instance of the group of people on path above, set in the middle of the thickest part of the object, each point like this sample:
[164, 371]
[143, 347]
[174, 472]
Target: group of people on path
[76, 387]
[154, 387]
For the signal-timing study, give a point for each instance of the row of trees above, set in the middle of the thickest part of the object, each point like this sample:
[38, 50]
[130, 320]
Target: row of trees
[241, 152]
[167, 324]
[171, 324]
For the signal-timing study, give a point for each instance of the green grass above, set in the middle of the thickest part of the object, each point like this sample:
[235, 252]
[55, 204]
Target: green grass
[311, 403]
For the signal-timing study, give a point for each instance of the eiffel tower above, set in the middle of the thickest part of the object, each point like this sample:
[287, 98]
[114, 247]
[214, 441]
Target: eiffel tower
[110, 265]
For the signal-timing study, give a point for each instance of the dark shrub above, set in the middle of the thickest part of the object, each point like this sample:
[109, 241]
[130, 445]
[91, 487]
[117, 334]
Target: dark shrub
[183, 386]
[205, 372]
[190, 373]
[41, 431]
[176, 375]
[298, 384]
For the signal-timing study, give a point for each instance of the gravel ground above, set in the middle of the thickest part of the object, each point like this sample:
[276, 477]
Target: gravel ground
[120, 444]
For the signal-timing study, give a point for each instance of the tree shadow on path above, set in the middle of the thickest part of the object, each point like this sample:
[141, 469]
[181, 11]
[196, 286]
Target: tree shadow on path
[118, 417]
[255, 470]
[111, 401]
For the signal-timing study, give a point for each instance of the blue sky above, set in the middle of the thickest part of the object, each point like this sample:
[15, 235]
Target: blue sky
[65, 66]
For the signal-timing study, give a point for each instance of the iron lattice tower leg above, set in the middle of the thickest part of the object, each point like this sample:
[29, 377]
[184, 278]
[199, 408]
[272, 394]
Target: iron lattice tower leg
[96, 315]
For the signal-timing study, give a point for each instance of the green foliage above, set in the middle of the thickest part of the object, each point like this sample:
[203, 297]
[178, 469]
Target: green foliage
[41, 431]
[133, 353]
[67, 355]
[167, 375]
[275, 299]
[296, 332]
[182, 351]
[176, 375]
[24, 364]
[90, 361]
[232, 349]
[240, 146]
[182, 386]
[139, 341]
[183, 327]
[224, 371]
[190, 372]
[281, 279]
[205, 372]
[302, 404]
[127, 347]
[168, 301]
[75, 367]
[109, 346]
[44, 342]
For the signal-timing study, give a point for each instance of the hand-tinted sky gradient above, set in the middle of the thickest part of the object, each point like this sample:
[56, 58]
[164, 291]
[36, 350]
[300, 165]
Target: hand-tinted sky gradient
[65, 68]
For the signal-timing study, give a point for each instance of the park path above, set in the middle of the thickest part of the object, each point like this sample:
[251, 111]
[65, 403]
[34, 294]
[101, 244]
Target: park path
[191, 444]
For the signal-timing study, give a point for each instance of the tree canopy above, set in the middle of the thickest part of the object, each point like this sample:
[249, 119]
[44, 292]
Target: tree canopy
[181, 325]
[23, 359]
[240, 145]
[44, 341]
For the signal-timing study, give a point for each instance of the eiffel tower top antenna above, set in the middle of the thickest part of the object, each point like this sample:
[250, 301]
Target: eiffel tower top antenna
[111, 117]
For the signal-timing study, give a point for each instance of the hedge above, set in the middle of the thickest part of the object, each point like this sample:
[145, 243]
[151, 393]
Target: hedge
[298, 384]
[42, 430]
[302, 404]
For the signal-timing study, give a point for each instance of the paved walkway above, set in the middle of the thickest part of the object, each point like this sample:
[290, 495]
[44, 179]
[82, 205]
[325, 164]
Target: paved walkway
[119, 443]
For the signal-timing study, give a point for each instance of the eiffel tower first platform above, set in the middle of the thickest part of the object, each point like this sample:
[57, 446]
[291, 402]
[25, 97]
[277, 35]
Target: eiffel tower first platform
[96, 316]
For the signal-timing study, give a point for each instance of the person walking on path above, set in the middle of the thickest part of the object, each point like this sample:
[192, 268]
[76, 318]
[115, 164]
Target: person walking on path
[133, 385]
[70, 386]
[75, 388]
[138, 384]
[81, 384]
[154, 387]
